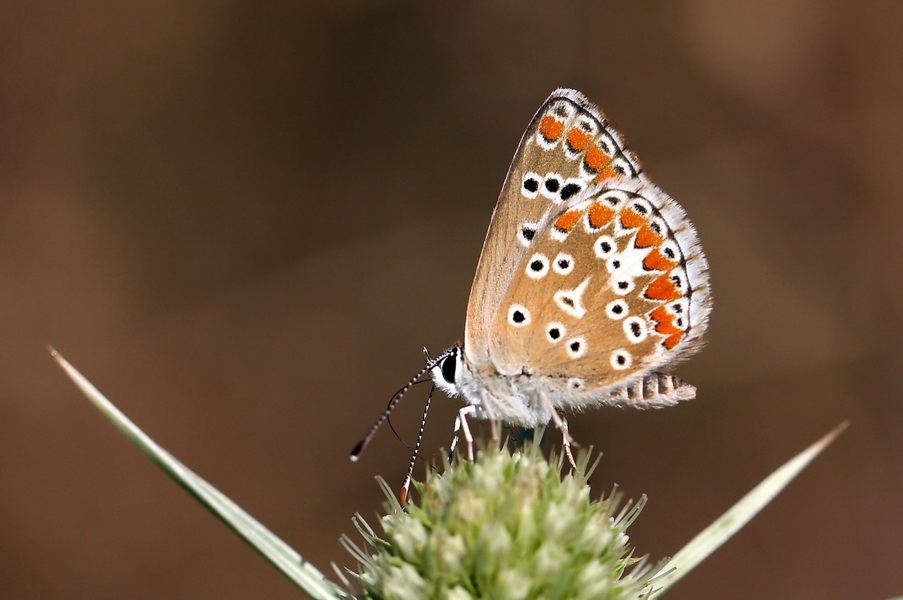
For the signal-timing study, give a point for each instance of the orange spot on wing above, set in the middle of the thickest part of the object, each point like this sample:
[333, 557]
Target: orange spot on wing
[656, 261]
[673, 340]
[665, 320]
[567, 221]
[578, 139]
[607, 173]
[595, 159]
[661, 314]
[630, 218]
[551, 128]
[600, 214]
[663, 289]
[647, 237]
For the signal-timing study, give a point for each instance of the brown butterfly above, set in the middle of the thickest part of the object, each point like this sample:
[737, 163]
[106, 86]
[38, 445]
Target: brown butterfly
[591, 283]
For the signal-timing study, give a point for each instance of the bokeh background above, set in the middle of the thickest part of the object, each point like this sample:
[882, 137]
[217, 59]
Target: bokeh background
[243, 220]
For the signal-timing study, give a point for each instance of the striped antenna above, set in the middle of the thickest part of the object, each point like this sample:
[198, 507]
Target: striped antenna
[393, 402]
[403, 495]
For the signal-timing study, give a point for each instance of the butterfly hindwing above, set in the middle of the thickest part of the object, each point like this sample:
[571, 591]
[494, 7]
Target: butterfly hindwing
[606, 294]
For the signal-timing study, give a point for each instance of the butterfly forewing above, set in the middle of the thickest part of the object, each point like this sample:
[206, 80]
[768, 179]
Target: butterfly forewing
[568, 148]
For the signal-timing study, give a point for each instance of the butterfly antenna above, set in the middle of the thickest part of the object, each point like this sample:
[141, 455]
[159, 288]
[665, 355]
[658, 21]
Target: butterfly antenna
[393, 402]
[392, 425]
[407, 479]
[429, 359]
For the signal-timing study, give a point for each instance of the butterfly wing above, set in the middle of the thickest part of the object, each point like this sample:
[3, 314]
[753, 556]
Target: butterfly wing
[610, 284]
[614, 288]
[567, 147]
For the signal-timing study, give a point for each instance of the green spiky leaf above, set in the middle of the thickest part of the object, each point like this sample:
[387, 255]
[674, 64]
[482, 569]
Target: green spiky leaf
[259, 537]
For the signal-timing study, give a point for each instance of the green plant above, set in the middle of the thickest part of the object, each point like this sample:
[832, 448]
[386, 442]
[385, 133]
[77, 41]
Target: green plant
[508, 525]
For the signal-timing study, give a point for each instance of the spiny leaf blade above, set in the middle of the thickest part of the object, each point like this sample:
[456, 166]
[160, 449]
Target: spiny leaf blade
[283, 557]
[712, 537]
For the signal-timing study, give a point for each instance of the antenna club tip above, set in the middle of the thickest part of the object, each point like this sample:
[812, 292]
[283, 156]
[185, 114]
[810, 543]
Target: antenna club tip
[356, 451]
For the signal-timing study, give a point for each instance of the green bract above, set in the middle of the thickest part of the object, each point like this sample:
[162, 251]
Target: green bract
[506, 526]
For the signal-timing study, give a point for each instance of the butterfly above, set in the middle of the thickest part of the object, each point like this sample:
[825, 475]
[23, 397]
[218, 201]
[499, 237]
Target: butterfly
[591, 283]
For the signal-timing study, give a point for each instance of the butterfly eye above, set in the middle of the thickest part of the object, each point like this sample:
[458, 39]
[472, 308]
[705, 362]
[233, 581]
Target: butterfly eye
[449, 366]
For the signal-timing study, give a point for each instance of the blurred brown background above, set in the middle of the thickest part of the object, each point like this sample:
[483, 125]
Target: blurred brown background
[243, 220]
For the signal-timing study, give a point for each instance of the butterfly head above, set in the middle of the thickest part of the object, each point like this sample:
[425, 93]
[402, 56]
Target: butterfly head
[449, 371]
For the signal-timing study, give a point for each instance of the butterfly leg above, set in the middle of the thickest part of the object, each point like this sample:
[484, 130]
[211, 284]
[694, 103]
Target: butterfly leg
[462, 426]
[566, 440]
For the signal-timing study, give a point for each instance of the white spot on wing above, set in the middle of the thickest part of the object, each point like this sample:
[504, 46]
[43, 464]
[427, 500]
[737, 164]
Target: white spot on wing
[531, 180]
[518, 315]
[617, 309]
[621, 359]
[605, 246]
[614, 198]
[576, 384]
[571, 301]
[636, 330]
[563, 263]
[622, 286]
[537, 266]
[576, 347]
[527, 233]
[551, 187]
[555, 331]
